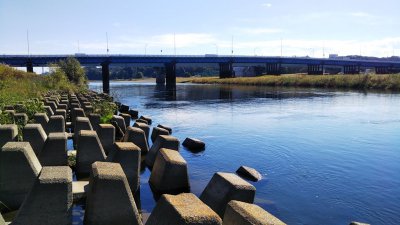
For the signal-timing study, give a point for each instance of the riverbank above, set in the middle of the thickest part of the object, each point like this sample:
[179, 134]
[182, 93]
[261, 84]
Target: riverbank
[358, 82]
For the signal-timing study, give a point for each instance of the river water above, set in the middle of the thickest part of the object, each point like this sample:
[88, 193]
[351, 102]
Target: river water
[327, 157]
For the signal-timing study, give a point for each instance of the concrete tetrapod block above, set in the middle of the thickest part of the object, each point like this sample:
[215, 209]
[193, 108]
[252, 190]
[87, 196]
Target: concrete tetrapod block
[21, 118]
[89, 151]
[2, 222]
[41, 118]
[8, 132]
[19, 168]
[144, 127]
[225, 187]
[358, 223]
[36, 136]
[142, 121]
[61, 112]
[242, 213]
[194, 144]
[163, 141]
[249, 173]
[182, 209]
[48, 110]
[128, 156]
[134, 113]
[169, 129]
[54, 152]
[81, 123]
[157, 131]
[109, 199]
[55, 124]
[52, 104]
[147, 118]
[76, 112]
[120, 121]
[106, 133]
[94, 120]
[137, 137]
[127, 119]
[50, 200]
[170, 173]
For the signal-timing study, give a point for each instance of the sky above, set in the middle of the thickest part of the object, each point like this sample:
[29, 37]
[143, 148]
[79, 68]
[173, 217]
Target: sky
[196, 27]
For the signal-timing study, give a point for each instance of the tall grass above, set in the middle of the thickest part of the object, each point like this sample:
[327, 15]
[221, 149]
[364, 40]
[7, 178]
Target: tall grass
[359, 82]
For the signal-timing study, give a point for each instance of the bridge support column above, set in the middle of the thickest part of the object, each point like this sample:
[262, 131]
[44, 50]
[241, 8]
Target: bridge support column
[352, 69]
[170, 74]
[315, 69]
[105, 69]
[226, 70]
[273, 69]
[29, 67]
[382, 70]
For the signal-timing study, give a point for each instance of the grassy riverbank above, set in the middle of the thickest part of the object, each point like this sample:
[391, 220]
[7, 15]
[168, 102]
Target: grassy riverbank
[359, 82]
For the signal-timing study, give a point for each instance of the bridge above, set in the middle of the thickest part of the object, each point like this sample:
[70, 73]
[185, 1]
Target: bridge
[226, 63]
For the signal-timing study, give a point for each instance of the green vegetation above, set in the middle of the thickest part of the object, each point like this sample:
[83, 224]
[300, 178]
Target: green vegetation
[359, 82]
[105, 109]
[24, 90]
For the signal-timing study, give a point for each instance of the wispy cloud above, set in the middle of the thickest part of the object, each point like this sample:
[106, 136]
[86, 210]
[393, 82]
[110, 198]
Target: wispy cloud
[266, 5]
[259, 30]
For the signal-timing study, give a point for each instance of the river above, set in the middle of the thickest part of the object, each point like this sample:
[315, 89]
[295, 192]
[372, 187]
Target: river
[327, 157]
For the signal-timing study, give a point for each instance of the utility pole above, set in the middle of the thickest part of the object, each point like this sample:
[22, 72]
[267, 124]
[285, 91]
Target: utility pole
[107, 43]
[232, 46]
[27, 40]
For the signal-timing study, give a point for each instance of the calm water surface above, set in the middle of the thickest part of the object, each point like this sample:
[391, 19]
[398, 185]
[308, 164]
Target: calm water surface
[327, 157]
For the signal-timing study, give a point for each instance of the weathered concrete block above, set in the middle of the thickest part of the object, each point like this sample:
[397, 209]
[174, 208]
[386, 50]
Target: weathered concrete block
[138, 137]
[75, 105]
[106, 133]
[120, 121]
[249, 173]
[242, 213]
[81, 123]
[8, 107]
[76, 112]
[8, 132]
[48, 110]
[170, 173]
[123, 108]
[54, 152]
[41, 118]
[89, 150]
[225, 187]
[358, 223]
[157, 131]
[36, 136]
[63, 105]
[147, 118]
[94, 120]
[52, 105]
[19, 168]
[109, 199]
[169, 129]
[127, 119]
[193, 144]
[2, 222]
[144, 127]
[182, 209]
[128, 156]
[134, 113]
[163, 141]
[142, 121]
[50, 200]
[21, 118]
[55, 124]
[61, 112]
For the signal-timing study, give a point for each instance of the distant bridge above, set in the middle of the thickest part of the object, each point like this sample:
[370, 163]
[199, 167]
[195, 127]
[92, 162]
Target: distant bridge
[226, 63]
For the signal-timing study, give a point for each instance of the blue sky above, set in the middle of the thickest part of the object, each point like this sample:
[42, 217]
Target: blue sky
[305, 27]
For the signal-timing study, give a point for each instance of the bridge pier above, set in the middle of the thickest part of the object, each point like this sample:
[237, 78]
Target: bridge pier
[273, 69]
[382, 70]
[105, 69]
[352, 69]
[226, 70]
[170, 74]
[29, 67]
[315, 69]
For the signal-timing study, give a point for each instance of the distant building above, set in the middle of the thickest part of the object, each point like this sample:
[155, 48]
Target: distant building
[333, 56]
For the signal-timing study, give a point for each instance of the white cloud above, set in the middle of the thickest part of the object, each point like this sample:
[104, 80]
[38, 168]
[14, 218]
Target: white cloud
[267, 5]
[256, 31]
